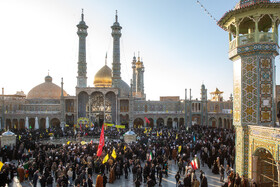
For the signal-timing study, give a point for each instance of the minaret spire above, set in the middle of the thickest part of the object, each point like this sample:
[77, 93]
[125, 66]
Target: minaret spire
[116, 66]
[82, 64]
[116, 15]
[106, 59]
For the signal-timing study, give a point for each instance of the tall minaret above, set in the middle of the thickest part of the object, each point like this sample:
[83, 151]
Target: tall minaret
[82, 64]
[140, 79]
[116, 66]
[62, 106]
[134, 75]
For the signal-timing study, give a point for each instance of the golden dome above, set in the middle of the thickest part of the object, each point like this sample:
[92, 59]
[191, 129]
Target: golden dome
[103, 78]
[46, 90]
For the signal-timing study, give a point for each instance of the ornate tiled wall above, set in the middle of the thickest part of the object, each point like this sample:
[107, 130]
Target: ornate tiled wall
[249, 89]
[266, 67]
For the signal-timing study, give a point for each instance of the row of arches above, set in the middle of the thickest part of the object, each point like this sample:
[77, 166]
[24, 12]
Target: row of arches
[221, 123]
[178, 122]
[20, 123]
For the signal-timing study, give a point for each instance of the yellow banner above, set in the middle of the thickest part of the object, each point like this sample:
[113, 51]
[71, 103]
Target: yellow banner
[113, 125]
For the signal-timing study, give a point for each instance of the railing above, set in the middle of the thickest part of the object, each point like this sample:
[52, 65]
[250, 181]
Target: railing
[245, 39]
[232, 44]
[266, 37]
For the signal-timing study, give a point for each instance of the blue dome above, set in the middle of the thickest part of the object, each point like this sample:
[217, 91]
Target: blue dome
[8, 133]
[130, 133]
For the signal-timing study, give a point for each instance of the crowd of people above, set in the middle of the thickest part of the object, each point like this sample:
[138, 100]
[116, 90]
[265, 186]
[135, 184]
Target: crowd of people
[148, 159]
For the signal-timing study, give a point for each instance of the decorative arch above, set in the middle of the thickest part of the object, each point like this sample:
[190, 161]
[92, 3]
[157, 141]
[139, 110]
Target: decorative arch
[8, 124]
[31, 123]
[160, 122]
[212, 122]
[15, 124]
[169, 123]
[220, 123]
[21, 124]
[225, 123]
[151, 125]
[138, 123]
[55, 122]
[42, 123]
[264, 168]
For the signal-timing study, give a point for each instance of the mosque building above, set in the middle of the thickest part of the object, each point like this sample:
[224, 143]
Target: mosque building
[110, 99]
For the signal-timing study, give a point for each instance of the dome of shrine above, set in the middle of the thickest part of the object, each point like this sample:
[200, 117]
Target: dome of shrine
[46, 90]
[103, 78]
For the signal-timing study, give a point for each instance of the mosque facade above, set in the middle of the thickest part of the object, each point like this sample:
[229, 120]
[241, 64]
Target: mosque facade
[110, 99]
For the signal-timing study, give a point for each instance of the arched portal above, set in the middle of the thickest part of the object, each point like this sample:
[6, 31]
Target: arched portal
[138, 123]
[15, 124]
[8, 124]
[21, 124]
[42, 124]
[151, 125]
[160, 122]
[264, 168]
[124, 119]
[169, 123]
[182, 122]
[55, 123]
[212, 122]
[225, 123]
[220, 124]
[31, 123]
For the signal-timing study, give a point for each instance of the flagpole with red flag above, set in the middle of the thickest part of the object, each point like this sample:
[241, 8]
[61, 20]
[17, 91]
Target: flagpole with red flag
[101, 142]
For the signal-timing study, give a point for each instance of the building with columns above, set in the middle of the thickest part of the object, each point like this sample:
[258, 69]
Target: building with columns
[110, 99]
[253, 46]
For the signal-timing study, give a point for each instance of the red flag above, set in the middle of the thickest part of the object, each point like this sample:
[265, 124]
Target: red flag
[147, 120]
[101, 142]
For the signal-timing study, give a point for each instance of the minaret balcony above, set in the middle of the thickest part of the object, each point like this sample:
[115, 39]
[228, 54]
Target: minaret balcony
[245, 39]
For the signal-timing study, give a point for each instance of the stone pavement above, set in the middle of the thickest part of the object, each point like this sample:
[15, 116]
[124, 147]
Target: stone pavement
[213, 180]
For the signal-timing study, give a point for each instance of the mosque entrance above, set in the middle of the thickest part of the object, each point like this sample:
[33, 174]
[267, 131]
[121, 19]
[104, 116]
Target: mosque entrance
[138, 123]
[160, 122]
[151, 125]
[264, 168]
[99, 119]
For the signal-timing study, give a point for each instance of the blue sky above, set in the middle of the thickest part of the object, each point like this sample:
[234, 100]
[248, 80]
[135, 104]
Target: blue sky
[180, 44]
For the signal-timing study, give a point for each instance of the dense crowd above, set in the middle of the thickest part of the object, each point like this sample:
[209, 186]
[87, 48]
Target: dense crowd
[147, 159]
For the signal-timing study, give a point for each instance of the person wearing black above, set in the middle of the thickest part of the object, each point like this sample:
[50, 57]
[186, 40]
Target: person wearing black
[160, 177]
[204, 182]
[187, 181]
[177, 177]
[137, 182]
[89, 181]
[104, 180]
[150, 182]
[50, 181]
[35, 178]
[42, 181]
[125, 170]
[158, 168]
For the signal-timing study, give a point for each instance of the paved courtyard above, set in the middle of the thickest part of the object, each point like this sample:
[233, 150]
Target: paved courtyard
[213, 180]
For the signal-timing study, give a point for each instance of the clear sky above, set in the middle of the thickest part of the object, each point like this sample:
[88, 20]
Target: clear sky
[180, 44]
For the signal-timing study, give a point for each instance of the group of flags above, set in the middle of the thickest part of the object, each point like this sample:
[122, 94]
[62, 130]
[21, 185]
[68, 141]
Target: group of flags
[106, 158]
[159, 133]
